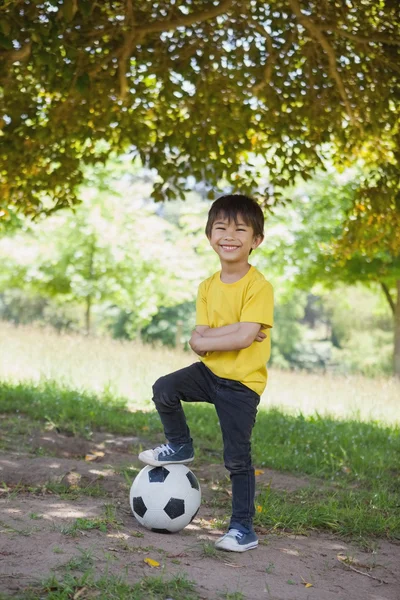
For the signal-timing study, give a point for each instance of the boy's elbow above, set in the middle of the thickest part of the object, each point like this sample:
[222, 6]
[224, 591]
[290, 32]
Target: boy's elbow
[247, 335]
[246, 341]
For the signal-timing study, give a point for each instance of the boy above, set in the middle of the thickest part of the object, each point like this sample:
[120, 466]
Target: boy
[234, 312]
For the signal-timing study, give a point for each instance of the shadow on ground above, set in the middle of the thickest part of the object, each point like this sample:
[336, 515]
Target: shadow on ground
[54, 485]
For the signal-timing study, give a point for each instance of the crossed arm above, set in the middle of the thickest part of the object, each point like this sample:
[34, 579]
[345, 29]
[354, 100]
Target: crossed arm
[222, 339]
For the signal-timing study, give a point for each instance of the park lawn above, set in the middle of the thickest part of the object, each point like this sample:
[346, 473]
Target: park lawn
[109, 586]
[353, 467]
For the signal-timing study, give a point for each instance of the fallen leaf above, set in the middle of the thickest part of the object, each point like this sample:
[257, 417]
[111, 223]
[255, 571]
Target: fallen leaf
[79, 593]
[349, 560]
[258, 472]
[228, 564]
[289, 551]
[151, 562]
[306, 584]
[94, 456]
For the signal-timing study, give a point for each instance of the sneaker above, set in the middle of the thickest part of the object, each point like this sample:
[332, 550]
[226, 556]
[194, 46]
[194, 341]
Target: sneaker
[237, 541]
[168, 454]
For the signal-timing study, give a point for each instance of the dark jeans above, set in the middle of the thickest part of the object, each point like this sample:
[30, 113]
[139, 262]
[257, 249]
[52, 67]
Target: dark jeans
[236, 407]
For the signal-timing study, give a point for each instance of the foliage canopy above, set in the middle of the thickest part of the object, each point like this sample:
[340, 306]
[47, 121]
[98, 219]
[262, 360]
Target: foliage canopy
[197, 88]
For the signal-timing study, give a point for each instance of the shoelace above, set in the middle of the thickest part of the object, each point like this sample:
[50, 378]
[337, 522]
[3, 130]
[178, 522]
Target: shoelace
[164, 450]
[236, 533]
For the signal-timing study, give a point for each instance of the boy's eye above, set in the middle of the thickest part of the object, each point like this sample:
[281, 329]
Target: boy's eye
[240, 229]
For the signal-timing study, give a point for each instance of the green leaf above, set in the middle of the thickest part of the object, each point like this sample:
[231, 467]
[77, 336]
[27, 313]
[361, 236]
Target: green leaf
[85, 7]
[5, 27]
[69, 9]
[83, 83]
[6, 42]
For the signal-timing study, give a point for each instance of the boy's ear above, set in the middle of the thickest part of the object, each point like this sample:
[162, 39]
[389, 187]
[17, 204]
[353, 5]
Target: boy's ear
[257, 241]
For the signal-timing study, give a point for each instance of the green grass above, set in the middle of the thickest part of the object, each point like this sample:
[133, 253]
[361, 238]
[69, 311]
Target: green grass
[347, 451]
[357, 464]
[109, 520]
[74, 411]
[53, 487]
[356, 513]
[109, 587]
[81, 562]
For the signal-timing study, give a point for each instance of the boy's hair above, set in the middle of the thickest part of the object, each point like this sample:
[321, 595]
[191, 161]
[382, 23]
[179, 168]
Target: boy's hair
[233, 205]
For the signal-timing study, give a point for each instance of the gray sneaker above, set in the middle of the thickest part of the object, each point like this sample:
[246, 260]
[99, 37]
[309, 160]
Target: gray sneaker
[168, 454]
[237, 541]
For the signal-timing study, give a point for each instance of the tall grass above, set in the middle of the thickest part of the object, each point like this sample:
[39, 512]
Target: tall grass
[129, 369]
[345, 397]
[93, 364]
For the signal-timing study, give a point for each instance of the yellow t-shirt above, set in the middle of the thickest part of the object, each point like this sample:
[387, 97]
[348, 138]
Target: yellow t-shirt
[248, 300]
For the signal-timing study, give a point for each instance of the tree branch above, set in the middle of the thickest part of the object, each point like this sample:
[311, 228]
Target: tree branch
[388, 295]
[317, 34]
[380, 38]
[186, 20]
[267, 74]
[17, 55]
[138, 32]
[126, 51]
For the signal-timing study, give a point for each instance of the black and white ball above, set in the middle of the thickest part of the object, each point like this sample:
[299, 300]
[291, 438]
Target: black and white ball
[165, 499]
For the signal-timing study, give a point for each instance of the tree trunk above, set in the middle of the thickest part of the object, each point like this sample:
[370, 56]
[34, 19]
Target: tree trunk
[396, 355]
[178, 335]
[90, 278]
[88, 314]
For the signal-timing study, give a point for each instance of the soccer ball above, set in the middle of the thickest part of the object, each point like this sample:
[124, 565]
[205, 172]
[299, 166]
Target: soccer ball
[165, 499]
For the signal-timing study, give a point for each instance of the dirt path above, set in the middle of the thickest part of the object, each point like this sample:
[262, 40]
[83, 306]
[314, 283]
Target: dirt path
[40, 534]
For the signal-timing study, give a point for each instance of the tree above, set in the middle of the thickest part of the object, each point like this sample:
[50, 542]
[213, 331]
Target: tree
[314, 246]
[196, 89]
[107, 255]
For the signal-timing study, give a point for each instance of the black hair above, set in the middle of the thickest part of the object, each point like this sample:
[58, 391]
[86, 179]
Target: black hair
[233, 205]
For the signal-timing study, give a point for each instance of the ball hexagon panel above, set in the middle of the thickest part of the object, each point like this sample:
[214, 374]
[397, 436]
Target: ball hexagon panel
[175, 508]
[165, 498]
[139, 506]
[193, 480]
[158, 474]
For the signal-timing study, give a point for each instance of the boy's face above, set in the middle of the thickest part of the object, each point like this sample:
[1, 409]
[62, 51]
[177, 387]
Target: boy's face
[233, 242]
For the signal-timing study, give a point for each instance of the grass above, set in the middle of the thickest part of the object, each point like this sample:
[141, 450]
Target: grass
[103, 524]
[353, 463]
[52, 487]
[346, 451]
[359, 463]
[108, 586]
[356, 513]
[97, 365]
[81, 562]
[103, 366]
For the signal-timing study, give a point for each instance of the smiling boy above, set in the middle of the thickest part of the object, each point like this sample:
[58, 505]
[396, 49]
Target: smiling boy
[234, 313]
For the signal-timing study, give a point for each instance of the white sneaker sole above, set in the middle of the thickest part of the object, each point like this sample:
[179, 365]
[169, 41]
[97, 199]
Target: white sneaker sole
[228, 546]
[148, 460]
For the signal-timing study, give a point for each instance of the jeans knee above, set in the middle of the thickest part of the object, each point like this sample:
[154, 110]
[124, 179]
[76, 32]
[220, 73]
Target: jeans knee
[238, 465]
[163, 393]
[157, 388]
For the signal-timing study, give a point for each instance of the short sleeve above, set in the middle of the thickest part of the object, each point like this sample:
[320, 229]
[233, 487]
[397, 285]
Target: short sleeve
[201, 306]
[259, 304]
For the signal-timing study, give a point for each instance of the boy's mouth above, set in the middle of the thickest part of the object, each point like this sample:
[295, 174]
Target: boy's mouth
[228, 248]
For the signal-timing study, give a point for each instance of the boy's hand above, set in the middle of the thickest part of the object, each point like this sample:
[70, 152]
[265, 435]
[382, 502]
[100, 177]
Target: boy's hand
[260, 336]
[194, 343]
